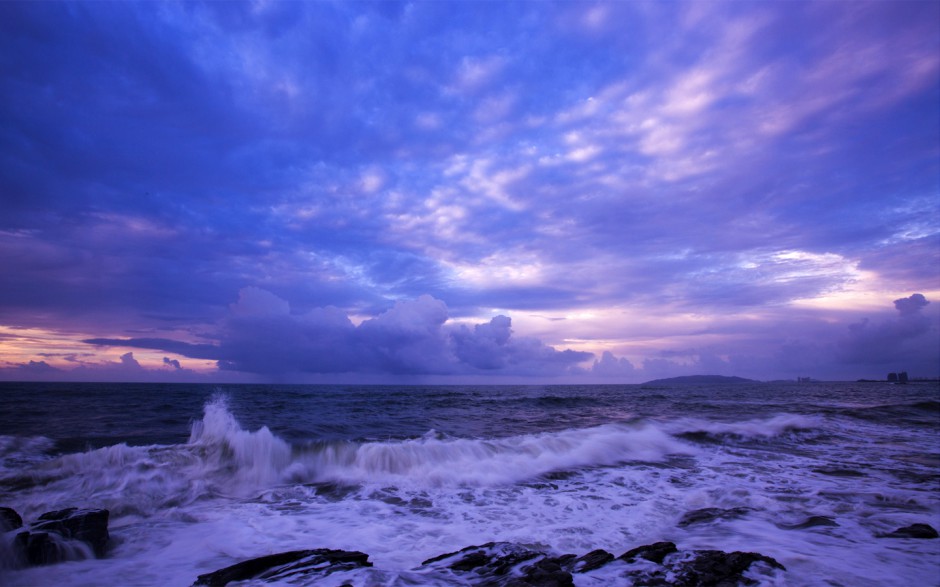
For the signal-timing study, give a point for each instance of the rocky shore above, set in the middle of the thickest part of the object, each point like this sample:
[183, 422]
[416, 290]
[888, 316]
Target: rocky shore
[69, 534]
[75, 534]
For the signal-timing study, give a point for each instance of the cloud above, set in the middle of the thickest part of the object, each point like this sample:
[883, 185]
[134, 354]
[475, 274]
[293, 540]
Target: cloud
[125, 368]
[345, 156]
[904, 341]
[254, 301]
[610, 366]
[261, 336]
[129, 363]
[32, 369]
[912, 305]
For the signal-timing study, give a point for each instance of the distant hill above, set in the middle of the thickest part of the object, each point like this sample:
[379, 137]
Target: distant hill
[700, 380]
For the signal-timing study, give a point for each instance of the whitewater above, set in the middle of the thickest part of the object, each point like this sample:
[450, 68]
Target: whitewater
[197, 478]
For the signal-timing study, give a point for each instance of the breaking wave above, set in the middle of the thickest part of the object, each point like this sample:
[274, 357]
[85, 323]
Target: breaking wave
[223, 459]
[758, 429]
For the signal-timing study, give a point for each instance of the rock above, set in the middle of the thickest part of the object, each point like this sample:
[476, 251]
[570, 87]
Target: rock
[838, 472]
[912, 531]
[652, 552]
[710, 515]
[58, 536]
[809, 522]
[311, 564]
[504, 564]
[592, 560]
[40, 548]
[14, 556]
[719, 569]
[9, 520]
[89, 526]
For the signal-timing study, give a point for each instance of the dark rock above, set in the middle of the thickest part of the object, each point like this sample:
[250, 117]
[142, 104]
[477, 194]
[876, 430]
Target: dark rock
[652, 552]
[809, 522]
[15, 556]
[546, 572]
[838, 472]
[40, 548]
[592, 560]
[912, 531]
[310, 563]
[710, 515]
[89, 526]
[504, 564]
[471, 561]
[719, 569]
[9, 520]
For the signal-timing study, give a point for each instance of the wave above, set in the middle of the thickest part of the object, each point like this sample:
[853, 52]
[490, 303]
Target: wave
[757, 429]
[924, 412]
[432, 460]
[17, 451]
[223, 459]
[260, 458]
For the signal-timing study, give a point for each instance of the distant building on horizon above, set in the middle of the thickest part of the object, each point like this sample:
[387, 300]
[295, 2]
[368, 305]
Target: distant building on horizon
[897, 377]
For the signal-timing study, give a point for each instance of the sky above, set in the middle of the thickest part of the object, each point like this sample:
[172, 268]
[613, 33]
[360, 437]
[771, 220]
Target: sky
[478, 192]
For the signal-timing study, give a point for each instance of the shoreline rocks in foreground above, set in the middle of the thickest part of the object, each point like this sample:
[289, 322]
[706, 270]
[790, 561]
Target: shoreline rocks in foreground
[62, 535]
[507, 564]
[76, 534]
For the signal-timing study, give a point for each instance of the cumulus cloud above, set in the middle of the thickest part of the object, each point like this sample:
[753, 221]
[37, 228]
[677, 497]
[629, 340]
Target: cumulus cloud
[125, 368]
[910, 306]
[129, 362]
[33, 369]
[903, 342]
[610, 366]
[262, 336]
[514, 161]
[254, 301]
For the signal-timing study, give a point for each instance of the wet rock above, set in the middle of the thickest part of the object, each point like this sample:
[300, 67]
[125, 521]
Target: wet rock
[809, 522]
[13, 552]
[40, 548]
[652, 552]
[311, 564]
[592, 560]
[63, 535]
[719, 569]
[504, 564]
[88, 525]
[710, 515]
[838, 472]
[9, 520]
[912, 531]
[45, 548]
[546, 572]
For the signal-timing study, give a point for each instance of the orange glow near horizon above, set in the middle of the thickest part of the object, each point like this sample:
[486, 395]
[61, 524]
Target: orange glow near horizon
[66, 351]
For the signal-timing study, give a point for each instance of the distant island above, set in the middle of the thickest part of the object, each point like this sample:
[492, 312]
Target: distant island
[700, 380]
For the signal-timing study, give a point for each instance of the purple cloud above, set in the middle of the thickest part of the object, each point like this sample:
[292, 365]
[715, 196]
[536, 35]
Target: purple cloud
[559, 159]
[262, 336]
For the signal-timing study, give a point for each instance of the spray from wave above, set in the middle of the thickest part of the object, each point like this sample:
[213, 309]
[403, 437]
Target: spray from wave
[221, 459]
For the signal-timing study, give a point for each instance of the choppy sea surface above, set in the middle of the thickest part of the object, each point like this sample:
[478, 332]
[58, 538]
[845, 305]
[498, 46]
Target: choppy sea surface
[200, 477]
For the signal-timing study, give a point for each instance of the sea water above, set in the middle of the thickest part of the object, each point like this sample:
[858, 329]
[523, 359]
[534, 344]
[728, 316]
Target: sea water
[197, 477]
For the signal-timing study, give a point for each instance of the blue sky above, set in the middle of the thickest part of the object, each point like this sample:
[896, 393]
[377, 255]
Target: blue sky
[487, 192]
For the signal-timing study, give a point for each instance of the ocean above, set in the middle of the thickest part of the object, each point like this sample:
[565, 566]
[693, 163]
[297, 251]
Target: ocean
[199, 477]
